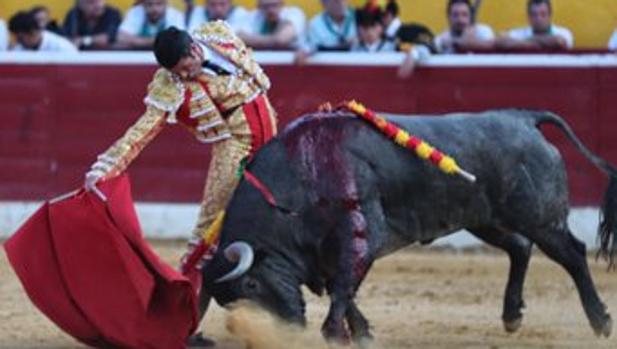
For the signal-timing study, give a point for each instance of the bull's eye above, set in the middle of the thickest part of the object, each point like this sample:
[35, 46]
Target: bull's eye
[250, 285]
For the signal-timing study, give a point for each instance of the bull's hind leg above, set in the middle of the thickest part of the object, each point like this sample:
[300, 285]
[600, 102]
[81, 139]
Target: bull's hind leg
[518, 248]
[562, 247]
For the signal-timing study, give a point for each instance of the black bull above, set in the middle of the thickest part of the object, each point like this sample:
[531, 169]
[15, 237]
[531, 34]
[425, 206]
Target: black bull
[345, 196]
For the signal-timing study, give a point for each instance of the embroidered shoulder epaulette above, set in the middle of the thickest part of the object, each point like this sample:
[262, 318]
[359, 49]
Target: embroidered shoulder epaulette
[219, 36]
[165, 92]
[218, 33]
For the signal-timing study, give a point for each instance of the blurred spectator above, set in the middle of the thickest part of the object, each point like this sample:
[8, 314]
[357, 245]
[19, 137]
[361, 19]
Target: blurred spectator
[4, 37]
[405, 35]
[370, 24]
[235, 16]
[92, 25]
[463, 34]
[334, 29]
[371, 31]
[43, 18]
[189, 8]
[142, 22]
[540, 34]
[30, 36]
[274, 26]
[612, 43]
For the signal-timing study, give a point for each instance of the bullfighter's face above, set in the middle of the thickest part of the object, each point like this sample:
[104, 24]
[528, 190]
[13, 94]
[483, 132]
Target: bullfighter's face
[189, 67]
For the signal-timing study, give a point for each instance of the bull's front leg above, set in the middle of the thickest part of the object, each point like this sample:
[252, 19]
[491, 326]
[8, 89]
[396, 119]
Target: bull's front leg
[358, 328]
[349, 248]
[358, 325]
[352, 247]
[334, 328]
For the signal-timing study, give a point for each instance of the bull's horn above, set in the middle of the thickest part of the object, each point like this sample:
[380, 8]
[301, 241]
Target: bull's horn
[243, 254]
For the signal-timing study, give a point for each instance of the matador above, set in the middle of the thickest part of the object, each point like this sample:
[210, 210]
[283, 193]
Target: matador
[209, 83]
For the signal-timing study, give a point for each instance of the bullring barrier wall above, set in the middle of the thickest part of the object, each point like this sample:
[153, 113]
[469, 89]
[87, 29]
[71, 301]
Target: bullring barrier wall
[58, 112]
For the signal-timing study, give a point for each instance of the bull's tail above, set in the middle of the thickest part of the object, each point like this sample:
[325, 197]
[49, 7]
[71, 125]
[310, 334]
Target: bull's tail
[607, 230]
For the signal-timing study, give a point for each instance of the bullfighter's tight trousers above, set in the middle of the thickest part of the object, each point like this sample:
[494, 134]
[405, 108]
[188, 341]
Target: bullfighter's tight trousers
[222, 179]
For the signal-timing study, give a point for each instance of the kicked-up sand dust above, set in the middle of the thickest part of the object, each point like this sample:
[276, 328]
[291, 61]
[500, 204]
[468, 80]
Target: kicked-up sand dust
[259, 330]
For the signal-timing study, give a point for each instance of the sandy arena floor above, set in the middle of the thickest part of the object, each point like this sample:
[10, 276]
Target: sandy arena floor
[417, 298]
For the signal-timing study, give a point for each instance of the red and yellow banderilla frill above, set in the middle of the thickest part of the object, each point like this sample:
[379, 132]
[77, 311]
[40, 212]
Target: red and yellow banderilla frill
[401, 137]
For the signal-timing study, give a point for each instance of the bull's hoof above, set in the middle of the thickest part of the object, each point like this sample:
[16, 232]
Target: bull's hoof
[512, 316]
[364, 342]
[512, 326]
[199, 341]
[336, 335]
[362, 336]
[606, 328]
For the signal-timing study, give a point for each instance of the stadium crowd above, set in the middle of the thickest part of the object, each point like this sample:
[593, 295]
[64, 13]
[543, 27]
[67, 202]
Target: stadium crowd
[272, 25]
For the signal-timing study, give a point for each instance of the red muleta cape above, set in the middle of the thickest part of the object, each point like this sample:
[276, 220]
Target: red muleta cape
[85, 264]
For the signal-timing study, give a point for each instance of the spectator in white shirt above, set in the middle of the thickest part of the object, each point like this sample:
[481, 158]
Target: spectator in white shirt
[612, 43]
[463, 34]
[189, 8]
[144, 21]
[43, 18]
[30, 36]
[334, 29]
[235, 16]
[541, 34]
[4, 37]
[274, 26]
[371, 32]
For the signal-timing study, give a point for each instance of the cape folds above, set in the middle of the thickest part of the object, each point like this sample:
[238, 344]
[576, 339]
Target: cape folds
[85, 265]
